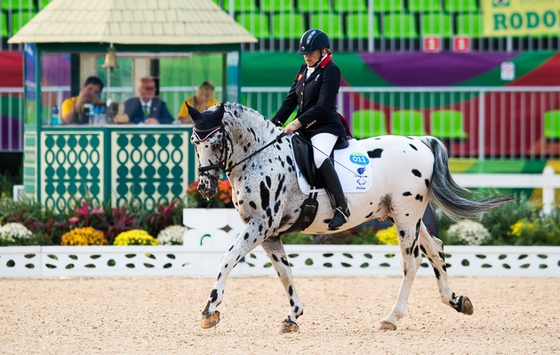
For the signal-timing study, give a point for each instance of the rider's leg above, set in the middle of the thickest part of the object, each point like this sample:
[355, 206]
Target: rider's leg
[323, 144]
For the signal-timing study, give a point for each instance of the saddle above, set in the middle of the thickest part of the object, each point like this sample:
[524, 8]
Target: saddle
[303, 152]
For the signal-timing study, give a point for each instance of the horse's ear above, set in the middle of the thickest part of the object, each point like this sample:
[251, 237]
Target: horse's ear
[219, 113]
[195, 115]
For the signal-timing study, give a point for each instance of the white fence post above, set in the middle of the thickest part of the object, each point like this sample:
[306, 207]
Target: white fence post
[548, 189]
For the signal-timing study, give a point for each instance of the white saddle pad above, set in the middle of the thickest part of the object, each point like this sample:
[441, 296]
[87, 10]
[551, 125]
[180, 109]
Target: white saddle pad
[353, 167]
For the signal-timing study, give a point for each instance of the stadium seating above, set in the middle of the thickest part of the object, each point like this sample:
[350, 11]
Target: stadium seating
[424, 5]
[469, 25]
[447, 125]
[277, 5]
[552, 125]
[407, 123]
[358, 26]
[314, 6]
[4, 24]
[384, 6]
[350, 6]
[15, 5]
[399, 26]
[19, 19]
[239, 5]
[256, 23]
[460, 5]
[288, 26]
[43, 3]
[437, 24]
[331, 23]
[368, 123]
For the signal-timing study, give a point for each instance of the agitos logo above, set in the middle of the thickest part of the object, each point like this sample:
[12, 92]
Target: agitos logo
[500, 3]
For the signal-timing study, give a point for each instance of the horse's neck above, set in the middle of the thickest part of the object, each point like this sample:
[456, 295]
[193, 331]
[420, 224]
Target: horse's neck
[251, 137]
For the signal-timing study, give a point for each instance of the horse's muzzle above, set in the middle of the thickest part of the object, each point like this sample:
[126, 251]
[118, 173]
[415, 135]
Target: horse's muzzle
[207, 188]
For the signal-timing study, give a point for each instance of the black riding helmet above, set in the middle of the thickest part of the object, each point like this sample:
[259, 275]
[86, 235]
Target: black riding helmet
[312, 40]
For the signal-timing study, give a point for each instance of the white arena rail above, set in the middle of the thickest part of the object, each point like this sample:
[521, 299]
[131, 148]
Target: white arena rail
[306, 260]
[547, 181]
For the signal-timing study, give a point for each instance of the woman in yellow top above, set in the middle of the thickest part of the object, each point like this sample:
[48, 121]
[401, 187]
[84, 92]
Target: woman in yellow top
[72, 109]
[203, 99]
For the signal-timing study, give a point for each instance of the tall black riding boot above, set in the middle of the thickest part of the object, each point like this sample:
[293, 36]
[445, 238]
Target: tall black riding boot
[332, 183]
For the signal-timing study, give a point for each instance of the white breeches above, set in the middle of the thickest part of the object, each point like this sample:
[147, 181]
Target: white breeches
[323, 144]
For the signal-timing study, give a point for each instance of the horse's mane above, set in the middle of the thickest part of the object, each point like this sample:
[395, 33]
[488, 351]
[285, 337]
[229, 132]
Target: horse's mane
[244, 117]
[239, 110]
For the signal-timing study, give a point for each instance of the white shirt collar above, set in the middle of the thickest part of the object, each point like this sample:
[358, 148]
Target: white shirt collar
[149, 103]
[310, 70]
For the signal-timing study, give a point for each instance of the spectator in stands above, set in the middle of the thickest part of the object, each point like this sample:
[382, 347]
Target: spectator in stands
[147, 108]
[72, 110]
[314, 94]
[203, 99]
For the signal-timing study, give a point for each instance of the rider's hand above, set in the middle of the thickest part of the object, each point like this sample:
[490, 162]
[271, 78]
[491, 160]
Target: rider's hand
[292, 127]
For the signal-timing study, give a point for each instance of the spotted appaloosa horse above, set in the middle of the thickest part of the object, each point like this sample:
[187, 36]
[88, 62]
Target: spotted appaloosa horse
[407, 173]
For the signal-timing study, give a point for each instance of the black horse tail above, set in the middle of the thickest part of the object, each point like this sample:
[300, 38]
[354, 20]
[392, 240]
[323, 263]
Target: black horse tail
[455, 201]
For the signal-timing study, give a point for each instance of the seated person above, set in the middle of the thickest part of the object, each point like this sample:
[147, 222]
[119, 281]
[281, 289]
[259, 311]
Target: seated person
[147, 108]
[203, 99]
[72, 109]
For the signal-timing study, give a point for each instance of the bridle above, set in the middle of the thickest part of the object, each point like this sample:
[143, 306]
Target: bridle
[203, 170]
[221, 165]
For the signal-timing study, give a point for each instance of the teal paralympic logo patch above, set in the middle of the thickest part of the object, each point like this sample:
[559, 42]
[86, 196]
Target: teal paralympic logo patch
[359, 158]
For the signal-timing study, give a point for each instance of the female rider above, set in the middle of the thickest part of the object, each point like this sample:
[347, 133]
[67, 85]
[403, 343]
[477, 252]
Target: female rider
[314, 94]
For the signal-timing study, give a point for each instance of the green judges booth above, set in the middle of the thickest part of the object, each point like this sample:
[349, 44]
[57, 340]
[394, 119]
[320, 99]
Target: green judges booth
[114, 163]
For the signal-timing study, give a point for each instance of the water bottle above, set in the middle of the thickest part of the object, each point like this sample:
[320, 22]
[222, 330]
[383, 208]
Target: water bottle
[103, 114]
[54, 117]
[96, 119]
[88, 112]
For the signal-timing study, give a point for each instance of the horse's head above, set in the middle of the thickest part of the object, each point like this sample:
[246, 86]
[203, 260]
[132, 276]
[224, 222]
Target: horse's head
[209, 141]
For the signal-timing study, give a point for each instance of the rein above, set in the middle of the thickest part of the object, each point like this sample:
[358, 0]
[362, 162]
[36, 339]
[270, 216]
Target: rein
[278, 137]
[202, 170]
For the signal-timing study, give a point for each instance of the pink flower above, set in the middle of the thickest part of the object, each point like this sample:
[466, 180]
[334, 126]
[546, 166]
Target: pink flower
[73, 220]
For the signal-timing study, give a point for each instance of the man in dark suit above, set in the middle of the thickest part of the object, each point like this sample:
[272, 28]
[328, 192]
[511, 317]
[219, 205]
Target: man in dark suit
[147, 108]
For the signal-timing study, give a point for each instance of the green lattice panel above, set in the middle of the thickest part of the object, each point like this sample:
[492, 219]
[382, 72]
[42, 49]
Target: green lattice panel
[30, 162]
[71, 168]
[149, 168]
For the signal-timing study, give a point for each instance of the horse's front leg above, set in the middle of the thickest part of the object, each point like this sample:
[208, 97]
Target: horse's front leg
[246, 241]
[275, 250]
[411, 259]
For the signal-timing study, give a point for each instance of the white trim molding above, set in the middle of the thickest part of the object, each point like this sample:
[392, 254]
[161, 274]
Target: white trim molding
[306, 260]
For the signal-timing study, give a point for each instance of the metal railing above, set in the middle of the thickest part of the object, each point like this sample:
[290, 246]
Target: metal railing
[495, 122]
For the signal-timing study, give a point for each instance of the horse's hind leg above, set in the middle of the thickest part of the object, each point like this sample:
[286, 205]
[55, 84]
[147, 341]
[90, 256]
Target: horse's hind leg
[275, 250]
[432, 247]
[408, 241]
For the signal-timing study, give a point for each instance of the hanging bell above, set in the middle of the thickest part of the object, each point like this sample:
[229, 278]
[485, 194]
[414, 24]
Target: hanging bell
[110, 59]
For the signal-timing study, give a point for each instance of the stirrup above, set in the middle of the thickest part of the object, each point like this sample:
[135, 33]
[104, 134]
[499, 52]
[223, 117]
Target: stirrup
[337, 221]
[344, 214]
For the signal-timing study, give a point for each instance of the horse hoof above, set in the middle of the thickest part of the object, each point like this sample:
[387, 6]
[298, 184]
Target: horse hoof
[386, 325]
[210, 320]
[467, 307]
[288, 327]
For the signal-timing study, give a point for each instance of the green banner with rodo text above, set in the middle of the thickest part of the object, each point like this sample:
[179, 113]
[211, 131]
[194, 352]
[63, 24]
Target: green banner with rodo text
[521, 17]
